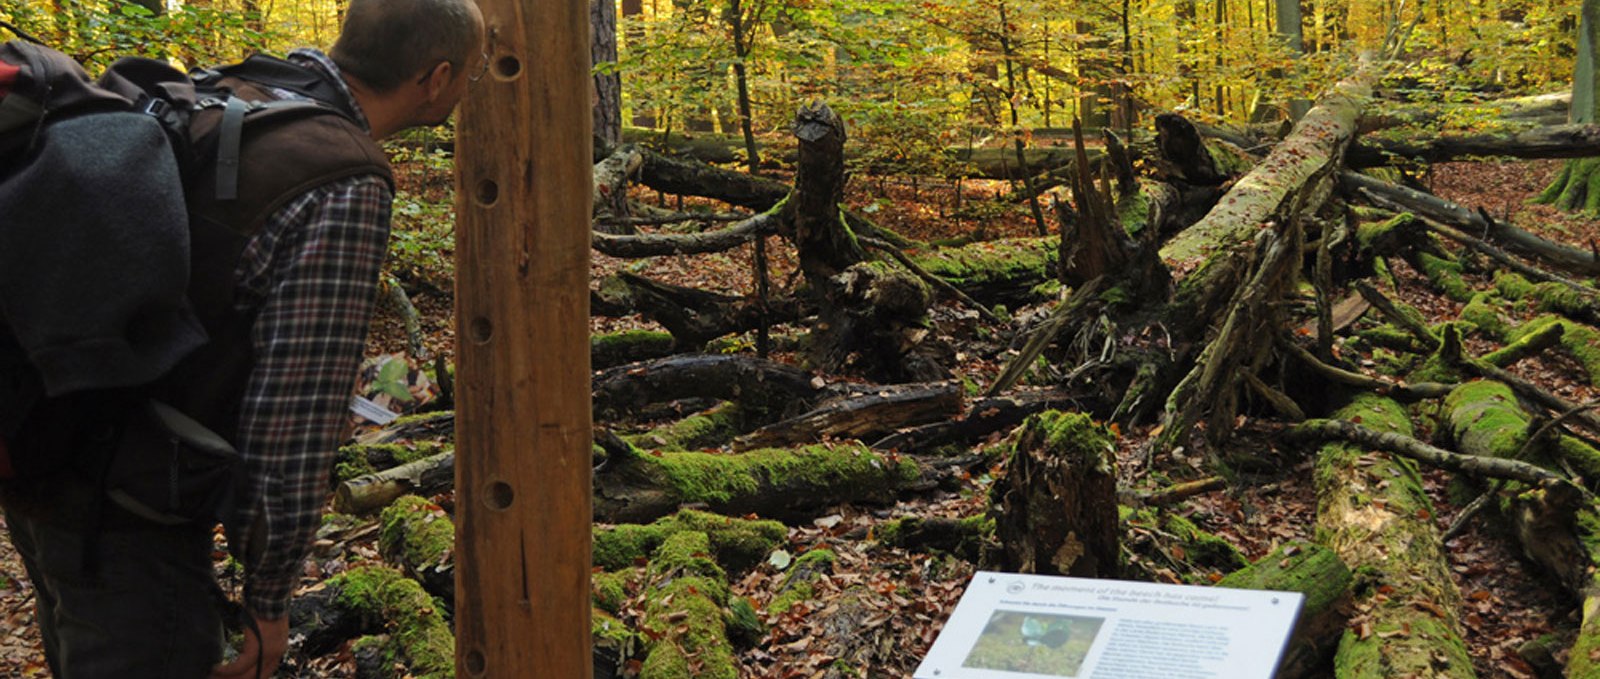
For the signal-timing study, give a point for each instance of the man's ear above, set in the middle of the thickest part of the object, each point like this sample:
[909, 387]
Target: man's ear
[438, 79]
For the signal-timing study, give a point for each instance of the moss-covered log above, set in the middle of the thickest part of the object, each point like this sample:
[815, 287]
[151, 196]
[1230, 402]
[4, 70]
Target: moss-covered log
[1005, 271]
[1161, 541]
[684, 623]
[1483, 418]
[779, 483]
[629, 346]
[371, 492]
[1057, 503]
[710, 428]
[738, 544]
[968, 538]
[1372, 511]
[1302, 158]
[360, 459]
[1316, 572]
[418, 537]
[983, 417]
[1557, 525]
[371, 600]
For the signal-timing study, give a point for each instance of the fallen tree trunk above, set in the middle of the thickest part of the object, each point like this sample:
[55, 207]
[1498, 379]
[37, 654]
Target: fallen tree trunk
[427, 476]
[984, 417]
[370, 600]
[864, 417]
[1555, 141]
[1372, 512]
[683, 626]
[778, 483]
[693, 316]
[1301, 159]
[666, 245]
[419, 538]
[758, 385]
[1559, 255]
[1316, 572]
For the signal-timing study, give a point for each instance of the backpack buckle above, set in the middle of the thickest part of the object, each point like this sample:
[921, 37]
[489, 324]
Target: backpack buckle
[157, 107]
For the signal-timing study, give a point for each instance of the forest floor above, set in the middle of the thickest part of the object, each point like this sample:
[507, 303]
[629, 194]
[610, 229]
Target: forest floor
[910, 594]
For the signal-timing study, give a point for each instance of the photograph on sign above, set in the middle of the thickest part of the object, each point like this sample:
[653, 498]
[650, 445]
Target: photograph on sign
[1040, 643]
[1011, 626]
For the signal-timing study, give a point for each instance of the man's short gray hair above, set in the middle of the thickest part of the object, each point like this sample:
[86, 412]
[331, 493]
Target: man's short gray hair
[387, 42]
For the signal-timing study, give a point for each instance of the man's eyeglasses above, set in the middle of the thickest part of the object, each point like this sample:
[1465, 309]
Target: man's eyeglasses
[483, 67]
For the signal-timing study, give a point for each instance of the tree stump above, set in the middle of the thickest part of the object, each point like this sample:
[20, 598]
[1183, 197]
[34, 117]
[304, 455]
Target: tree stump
[1058, 504]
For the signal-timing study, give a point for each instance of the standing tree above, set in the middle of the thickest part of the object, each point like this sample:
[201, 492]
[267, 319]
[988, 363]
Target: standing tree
[1571, 190]
[607, 82]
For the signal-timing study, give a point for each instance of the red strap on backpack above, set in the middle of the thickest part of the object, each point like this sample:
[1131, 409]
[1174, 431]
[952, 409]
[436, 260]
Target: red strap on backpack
[8, 77]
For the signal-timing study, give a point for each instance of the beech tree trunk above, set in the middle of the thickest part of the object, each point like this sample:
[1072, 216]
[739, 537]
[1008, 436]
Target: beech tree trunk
[1371, 510]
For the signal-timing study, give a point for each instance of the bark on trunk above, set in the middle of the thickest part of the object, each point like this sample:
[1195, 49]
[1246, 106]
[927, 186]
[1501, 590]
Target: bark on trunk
[427, 476]
[1556, 141]
[864, 417]
[1058, 506]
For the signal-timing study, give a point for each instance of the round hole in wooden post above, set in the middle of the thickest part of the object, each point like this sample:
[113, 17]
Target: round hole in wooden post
[476, 665]
[507, 67]
[488, 193]
[500, 495]
[481, 330]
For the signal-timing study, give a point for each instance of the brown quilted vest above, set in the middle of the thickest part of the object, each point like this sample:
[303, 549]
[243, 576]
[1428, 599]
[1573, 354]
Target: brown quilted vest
[280, 158]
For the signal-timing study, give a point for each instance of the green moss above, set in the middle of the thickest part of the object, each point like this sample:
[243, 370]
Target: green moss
[1513, 285]
[1583, 457]
[708, 429]
[797, 587]
[416, 531]
[1579, 340]
[1485, 315]
[688, 621]
[850, 469]
[1297, 567]
[1446, 276]
[1133, 211]
[688, 554]
[358, 459]
[1004, 261]
[628, 341]
[1204, 553]
[744, 624]
[1484, 418]
[1072, 434]
[1441, 654]
[416, 624]
[1392, 337]
[609, 590]
[1381, 236]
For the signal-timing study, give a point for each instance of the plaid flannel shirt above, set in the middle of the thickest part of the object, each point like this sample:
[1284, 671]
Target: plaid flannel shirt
[312, 274]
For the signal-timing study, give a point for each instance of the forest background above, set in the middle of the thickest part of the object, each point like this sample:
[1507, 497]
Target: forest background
[924, 89]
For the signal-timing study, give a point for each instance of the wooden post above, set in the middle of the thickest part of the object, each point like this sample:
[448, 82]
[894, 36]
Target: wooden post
[522, 324]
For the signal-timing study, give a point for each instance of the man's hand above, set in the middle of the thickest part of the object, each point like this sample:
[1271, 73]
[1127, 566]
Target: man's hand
[259, 657]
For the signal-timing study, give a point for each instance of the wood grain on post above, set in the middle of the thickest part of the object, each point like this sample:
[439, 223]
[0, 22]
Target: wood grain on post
[523, 422]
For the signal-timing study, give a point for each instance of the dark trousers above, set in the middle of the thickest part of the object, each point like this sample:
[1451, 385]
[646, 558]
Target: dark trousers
[144, 609]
